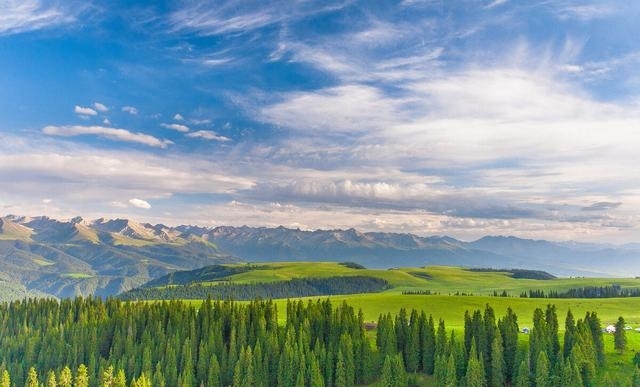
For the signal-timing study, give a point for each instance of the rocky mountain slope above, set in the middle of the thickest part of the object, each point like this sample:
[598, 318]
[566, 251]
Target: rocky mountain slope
[105, 257]
[102, 257]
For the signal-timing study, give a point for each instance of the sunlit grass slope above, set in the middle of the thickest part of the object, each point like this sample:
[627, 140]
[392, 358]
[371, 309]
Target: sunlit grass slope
[445, 282]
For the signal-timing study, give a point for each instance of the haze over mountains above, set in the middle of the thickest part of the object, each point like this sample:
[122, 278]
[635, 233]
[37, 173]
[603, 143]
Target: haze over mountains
[105, 257]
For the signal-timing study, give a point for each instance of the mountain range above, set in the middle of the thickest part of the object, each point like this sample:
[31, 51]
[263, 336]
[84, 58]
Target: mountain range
[40, 255]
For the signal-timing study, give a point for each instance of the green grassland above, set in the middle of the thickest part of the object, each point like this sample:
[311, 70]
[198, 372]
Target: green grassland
[445, 282]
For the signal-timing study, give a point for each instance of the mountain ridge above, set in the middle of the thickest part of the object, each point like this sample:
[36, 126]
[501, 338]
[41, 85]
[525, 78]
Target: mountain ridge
[107, 256]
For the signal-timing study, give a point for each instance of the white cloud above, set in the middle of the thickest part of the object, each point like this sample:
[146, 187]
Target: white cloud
[100, 107]
[208, 135]
[585, 12]
[85, 111]
[178, 117]
[81, 179]
[130, 109]
[178, 127]
[106, 121]
[243, 16]
[110, 133]
[496, 3]
[18, 16]
[139, 203]
[346, 109]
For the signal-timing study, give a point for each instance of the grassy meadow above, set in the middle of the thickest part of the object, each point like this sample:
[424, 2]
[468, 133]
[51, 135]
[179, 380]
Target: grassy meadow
[445, 283]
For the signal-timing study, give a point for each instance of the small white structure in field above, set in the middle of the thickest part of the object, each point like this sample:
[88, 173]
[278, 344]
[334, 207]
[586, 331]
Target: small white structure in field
[525, 330]
[610, 329]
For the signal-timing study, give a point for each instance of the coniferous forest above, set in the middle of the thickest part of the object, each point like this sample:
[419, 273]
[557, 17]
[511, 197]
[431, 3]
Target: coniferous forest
[93, 342]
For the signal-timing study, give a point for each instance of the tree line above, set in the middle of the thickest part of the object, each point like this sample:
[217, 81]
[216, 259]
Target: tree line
[90, 342]
[610, 291]
[297, 287]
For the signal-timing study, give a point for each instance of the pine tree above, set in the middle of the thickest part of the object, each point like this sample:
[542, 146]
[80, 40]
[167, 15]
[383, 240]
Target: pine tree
[508, 327]
[387, 379]
[341, 373]
[542, 371]
[429, 347]
[441, 340]
[65, 379]
[620, 336]
[315, 374]
[51, 379]
[82, 377]
[475, 371]
[32, 378]
[108, 377]
[596, 332]
[553, 342]
[412, 346]
[440, 371]
[491, 331]
[121, 379]
[497, 363]
[5, 380]
[451, 377]
[538, 338]
[213, 375]
[522, 378]
[158, 376]
[569, 333]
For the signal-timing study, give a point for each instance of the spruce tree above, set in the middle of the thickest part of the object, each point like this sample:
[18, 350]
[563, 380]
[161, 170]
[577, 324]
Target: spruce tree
[491, 331]
[569, 333]
[121, 380]
[388, 378]
[538, 338]
[315, 374]
[51, 379]
[451, 376]
[65, 379]
[412, 346]
[620, 336]
[475, 373]
[440, 371]
[399, 371]
[108, 377]
[508, 327]
[32, 378]
[596, 332]
[441, 340]
[522, 378]
[213, 376]
[341, 372]
[553, 341]
[82, 377]
[5, 379]
[429, 347]
[542, 371]
[497, 363]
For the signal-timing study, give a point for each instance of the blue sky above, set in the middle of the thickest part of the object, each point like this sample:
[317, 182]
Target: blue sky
[463, 118]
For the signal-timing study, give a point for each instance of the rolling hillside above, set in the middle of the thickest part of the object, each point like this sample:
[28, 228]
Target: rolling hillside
[433, 280]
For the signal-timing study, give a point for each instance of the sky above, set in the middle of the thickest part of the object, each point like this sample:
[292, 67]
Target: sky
[463, 118]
